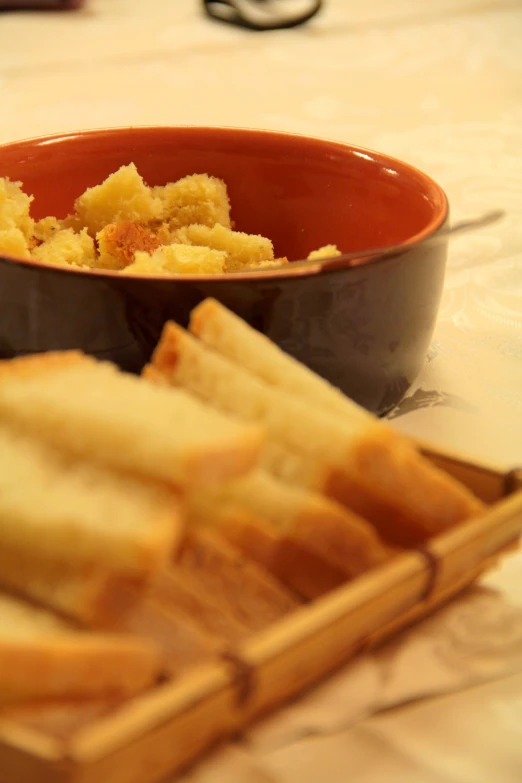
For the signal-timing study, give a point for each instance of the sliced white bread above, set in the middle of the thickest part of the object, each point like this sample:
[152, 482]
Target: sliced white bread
[106, 600]
[182, 642]
[232, 337]
[81, 591]
[241, 588]
[330, 530]
[354, 460]
[294, 564]
[69, 510]
[188, 600]
[42, 657]
[93, 410]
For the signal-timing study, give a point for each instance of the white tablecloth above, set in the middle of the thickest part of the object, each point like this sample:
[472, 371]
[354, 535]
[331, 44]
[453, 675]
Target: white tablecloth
[436, 82]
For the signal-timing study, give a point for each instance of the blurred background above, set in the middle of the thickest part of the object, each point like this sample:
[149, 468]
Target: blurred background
[437, 83]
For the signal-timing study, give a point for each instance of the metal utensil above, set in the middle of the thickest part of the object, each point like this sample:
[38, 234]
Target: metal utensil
[360, 256]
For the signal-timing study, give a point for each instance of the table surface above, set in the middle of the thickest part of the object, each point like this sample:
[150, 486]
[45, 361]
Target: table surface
[438, 83]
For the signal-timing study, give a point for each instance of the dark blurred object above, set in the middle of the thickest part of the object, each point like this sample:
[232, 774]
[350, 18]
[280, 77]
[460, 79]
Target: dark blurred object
[40, 5]
[262, 15]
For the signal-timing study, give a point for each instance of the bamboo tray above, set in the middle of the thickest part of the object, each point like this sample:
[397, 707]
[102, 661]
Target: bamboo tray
[161, 732]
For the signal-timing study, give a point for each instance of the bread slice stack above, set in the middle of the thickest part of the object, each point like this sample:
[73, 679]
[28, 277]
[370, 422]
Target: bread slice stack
[318, 442]
[43, 657]
[148, 525]
[93, 464]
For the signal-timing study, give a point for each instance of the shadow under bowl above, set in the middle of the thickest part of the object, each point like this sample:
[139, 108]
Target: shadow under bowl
[365, 328]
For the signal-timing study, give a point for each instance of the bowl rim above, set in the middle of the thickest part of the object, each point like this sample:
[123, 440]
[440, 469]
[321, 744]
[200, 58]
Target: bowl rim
[437, 222]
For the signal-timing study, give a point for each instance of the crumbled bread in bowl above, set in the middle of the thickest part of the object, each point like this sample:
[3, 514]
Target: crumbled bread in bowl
[123, 225]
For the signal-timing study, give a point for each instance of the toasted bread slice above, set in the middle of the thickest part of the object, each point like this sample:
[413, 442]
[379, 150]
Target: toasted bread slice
[358, 462]
[42, 657]
[332, 532]
[181, 642]
[105, 600]
[68, 510]
[86, 594]
[59, 718]
[305, 572]
[94, 411]
[232, 337]
[32, 365]
[242, 589]
[188, 600]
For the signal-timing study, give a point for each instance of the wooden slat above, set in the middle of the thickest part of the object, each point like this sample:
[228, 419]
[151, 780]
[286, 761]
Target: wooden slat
[462, 550]
[157, 736]
[140, 716]
[487, 483]
[315, 640]
[27, 755]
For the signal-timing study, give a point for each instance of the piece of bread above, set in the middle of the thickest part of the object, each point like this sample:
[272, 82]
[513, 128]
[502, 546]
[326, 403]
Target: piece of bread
[42, 657]
[232, 337]
[101, 599]
[31, 365]
[242, 250]
[332, 532]
[118, 242]
[61, 718]
[85, 593]
[94, 411]
[306, 573]
[178, 260]
[185, 627]
[15, 208]
[181, 642]
[197, 198]
[66, 509]
[13, 243]
[354, 460]
[123, 196]
[64, 247]
[189, 601]
[243, 589]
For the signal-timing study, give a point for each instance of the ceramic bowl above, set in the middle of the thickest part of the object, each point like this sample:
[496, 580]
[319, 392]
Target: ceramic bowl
[366, 328]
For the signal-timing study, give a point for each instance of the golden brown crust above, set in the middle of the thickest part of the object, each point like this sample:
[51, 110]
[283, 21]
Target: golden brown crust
[166, 354]
[405, 498]
[122, 240]
[59, 718]
[152, 374]
[176, 594]
[181, 643]
[289, 560]
[63, 666]
[343, 540]
[243, 589]
[35, 364]
[91, 596]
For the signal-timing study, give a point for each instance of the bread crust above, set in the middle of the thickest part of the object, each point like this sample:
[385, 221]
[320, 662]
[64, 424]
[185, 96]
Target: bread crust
[244, 590]
[289, 560]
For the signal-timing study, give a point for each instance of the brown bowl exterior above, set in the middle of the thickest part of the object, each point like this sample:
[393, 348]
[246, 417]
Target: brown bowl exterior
[366, 328]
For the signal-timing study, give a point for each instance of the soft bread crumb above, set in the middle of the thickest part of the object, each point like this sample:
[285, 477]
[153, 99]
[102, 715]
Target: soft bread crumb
[64, 247]
[14, 208]
[14, 243]
[45, 228]
[328, 251]
[124, 224]
[122, 196]
[72, 221]
[118, 242]
[243, 250]
[178, 260]
[195, 199]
